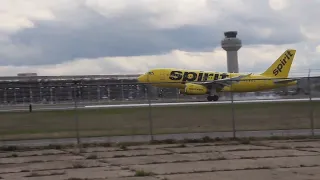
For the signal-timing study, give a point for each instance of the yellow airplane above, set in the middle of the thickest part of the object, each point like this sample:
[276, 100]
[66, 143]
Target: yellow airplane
[196, 82]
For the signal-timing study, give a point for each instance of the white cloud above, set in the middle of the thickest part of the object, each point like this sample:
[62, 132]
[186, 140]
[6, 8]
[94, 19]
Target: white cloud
[19, 14]
[176, 13]
[279, 5]
[109, 8]
[161, 13]
[172, 13]
[318, 49]
[13, 23]
[311, 31]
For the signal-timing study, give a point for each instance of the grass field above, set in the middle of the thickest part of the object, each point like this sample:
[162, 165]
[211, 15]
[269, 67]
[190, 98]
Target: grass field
[200, 118]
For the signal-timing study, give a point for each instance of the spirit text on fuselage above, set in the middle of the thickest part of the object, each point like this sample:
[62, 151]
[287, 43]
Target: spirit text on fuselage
[196, 76]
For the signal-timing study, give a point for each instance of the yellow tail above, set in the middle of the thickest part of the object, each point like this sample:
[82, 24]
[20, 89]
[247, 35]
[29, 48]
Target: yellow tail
[281, 67]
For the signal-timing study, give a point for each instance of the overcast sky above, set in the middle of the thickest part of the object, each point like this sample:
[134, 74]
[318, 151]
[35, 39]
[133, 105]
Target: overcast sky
[76, 37]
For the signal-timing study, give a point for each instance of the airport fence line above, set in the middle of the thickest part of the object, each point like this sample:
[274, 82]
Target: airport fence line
[149, 112]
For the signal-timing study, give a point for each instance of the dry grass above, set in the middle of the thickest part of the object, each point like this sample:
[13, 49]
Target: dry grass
[201, 118]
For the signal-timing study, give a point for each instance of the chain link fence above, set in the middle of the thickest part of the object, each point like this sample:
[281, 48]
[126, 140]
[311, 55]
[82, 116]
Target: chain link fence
[126, 110]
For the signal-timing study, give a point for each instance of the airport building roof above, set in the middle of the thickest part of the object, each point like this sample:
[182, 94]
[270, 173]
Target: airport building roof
[66, 78]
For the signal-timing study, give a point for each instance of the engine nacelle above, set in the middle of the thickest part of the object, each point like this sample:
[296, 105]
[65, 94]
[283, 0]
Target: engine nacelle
[194, 89]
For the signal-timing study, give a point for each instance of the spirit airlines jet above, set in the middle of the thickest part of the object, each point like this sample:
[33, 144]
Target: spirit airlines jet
[195, 82]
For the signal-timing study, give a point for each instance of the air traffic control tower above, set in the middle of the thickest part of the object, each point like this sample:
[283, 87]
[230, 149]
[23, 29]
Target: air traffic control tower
[231, 44]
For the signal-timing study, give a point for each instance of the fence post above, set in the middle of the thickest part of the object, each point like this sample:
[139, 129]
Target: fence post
[122, 92]
[30, 107]
[311, 105]
[76, 118]
[150, 109]
[233, 115]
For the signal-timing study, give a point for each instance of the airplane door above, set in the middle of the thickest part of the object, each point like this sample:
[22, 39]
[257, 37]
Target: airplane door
[162, 76]
[263, 84]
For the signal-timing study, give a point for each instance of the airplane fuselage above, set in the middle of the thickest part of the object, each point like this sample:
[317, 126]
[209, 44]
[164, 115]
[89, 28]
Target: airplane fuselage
[178, 78]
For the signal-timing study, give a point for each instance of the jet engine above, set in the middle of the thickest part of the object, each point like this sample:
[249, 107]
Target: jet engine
[194, 89]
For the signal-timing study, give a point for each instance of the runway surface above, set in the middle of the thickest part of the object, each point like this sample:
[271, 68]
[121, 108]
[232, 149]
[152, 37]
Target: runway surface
[201, 103]
[142, 104]
[146, 138]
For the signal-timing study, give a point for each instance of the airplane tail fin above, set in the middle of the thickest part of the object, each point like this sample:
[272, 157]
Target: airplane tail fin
[281, 67]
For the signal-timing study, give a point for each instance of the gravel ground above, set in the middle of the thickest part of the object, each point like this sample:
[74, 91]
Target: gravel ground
[265, 160]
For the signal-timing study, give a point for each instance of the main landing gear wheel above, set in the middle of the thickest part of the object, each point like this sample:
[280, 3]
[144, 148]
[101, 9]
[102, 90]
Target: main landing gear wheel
[213, 98]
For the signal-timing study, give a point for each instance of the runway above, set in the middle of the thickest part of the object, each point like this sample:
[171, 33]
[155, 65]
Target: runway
[202, 103]
[146, 138]
[119, 104]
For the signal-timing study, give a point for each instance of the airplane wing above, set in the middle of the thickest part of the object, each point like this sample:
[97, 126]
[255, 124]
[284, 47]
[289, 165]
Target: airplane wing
[223, 82]
[220, 83]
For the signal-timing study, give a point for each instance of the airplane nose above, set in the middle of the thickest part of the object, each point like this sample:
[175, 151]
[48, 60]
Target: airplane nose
[141, 79]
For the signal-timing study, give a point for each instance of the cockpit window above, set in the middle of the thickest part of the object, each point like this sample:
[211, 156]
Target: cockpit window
[150, 73]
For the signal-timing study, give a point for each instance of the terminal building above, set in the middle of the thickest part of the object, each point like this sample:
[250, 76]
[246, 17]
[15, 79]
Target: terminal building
[63, 89]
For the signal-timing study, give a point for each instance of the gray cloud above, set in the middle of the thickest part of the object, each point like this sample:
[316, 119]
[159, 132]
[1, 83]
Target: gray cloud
[85, 33]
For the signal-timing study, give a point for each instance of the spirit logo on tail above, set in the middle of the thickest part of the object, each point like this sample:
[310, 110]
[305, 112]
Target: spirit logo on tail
[282, 63]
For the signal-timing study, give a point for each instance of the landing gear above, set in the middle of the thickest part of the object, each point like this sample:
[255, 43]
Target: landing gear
[213, 95]
[213, 98]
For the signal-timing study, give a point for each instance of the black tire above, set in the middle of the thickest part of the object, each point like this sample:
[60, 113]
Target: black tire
[213, 98]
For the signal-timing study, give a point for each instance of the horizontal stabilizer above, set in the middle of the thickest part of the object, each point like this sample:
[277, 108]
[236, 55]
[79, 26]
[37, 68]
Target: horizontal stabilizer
[284, 81]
